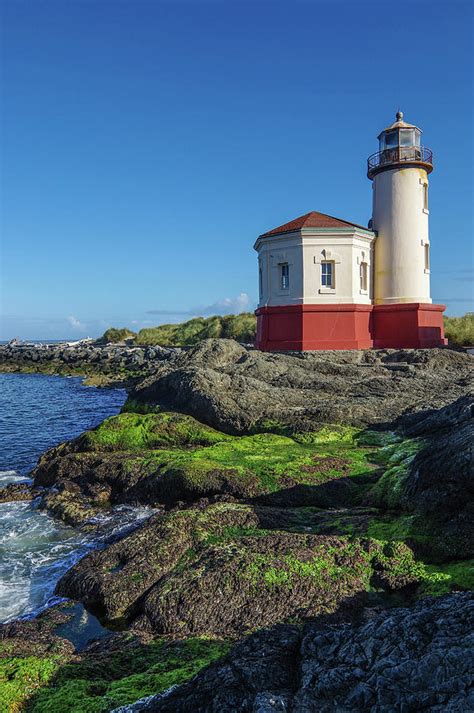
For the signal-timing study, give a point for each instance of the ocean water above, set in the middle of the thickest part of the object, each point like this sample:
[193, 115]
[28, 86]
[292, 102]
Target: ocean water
[36, 413]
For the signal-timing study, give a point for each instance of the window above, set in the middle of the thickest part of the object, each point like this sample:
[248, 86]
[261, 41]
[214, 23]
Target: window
[284, 276]
[425, 196]
[427, 256]
[391, 139]
[327, 274]
[407, 137]
[260, 282]
[363, 276]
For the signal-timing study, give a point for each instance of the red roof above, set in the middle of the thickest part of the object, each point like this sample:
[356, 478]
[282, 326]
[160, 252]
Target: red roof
[312, 220]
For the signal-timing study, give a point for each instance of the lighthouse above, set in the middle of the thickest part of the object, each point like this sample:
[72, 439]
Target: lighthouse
[403, 311]
[328, 283]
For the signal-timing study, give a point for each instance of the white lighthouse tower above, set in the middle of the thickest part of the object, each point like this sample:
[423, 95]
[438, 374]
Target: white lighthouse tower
[399, 171]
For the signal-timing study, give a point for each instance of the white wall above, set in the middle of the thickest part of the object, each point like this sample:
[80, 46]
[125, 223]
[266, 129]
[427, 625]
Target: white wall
[304, 252]
[401, 222]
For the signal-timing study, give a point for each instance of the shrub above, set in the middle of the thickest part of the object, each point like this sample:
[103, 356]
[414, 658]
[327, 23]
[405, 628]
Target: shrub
[460, 330]
[113, 335]
[241, 327]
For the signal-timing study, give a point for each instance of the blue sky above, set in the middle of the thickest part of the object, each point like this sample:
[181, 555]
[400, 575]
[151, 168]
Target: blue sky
[147, 144]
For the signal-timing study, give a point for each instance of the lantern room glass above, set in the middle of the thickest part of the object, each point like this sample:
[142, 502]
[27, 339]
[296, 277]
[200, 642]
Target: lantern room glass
[396, 138]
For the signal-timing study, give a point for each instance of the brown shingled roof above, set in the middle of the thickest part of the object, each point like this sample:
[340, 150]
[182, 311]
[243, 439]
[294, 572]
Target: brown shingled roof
[312, 220]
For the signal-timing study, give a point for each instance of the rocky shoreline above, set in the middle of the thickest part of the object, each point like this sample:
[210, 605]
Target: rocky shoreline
[301, 500]
[101, 365]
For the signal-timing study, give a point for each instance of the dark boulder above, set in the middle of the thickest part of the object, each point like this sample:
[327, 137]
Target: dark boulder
[402, 660]
[236, 390]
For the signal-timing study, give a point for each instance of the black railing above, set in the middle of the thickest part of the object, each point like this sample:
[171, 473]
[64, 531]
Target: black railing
[399, 154]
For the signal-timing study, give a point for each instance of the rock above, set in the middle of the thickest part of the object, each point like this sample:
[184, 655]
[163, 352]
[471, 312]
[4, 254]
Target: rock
[437, 483]
[238, 390]
[213, 571]
[102, 364]
[166, 458]
[404, 659]
[37, 637]
[112, 580]
[19, 491]
[439, 486]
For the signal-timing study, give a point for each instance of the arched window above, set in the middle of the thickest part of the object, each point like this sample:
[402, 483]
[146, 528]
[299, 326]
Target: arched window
[427, 256]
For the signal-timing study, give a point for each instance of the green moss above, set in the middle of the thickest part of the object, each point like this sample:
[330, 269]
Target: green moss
[441, 579]
[202, 458]
[131, 431]
[377, 438]
[398, 562]
[388, 528]
[331, 435]
[386, 493]
[20, 677]
[99, 684]
[337, 564]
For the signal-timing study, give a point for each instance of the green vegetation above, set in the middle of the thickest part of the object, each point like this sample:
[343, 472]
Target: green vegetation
[202, 458]
[460, 330]
[114, 335]
[326, 564]
[130, 432]
[20, 677]
[441, 579]
[98, 684]
[242, 327]
[396, 457]
[233, 326]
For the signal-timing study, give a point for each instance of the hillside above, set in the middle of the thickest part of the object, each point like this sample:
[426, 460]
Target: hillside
[240, 327]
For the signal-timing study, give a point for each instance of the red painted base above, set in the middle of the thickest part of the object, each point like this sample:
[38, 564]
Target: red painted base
[349, 326]
[408, 326]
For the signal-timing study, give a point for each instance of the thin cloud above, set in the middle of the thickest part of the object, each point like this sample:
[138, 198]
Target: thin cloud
[75, 323]
[226, 305]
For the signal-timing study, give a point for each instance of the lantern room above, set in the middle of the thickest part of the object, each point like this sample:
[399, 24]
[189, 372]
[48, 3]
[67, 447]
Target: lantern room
[399, 144]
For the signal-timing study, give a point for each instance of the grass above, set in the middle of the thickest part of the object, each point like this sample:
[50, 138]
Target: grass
[99, 684]
[241, 327]
[114, 335]
[460, 330]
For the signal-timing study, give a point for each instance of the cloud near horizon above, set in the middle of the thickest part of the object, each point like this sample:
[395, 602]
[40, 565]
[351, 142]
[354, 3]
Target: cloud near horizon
[75, 323]
[226, 305]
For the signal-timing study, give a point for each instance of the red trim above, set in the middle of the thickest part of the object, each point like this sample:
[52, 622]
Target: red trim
[349, 326]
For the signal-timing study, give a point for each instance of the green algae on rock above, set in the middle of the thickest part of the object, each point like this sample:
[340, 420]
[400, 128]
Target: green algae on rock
[103, 677]
[164, 458]
[216, 570]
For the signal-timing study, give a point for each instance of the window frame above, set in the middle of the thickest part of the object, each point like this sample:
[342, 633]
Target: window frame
[324, 275]
[284, 276]
[425, 196]
[426, 252]
[364, 276]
